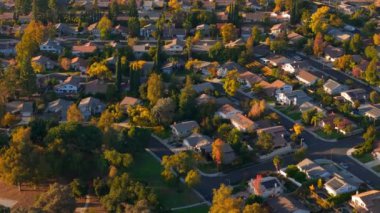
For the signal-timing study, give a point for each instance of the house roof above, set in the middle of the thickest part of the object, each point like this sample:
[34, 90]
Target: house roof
[374, 112]
[227, 108]
[59, 105]
[307, 76]
[86, 48]
[355, 94]
[129, 101]
[277, 133]
[242, 121]
[197, 140]
[203, 87]
[371, 199]
[250, 77]
[90, 101]
[185, 126]
[204, 98]
[311, 168]
[72, 80]
[333, 52]
[293, 36]
[230, 65]
[331, 84]
[95, 86]
[336, 183]
[285, 204]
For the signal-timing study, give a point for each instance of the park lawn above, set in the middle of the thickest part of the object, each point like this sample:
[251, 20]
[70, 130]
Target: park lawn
[365, 158]
[198, 209]
[376, 168]
[148, 170]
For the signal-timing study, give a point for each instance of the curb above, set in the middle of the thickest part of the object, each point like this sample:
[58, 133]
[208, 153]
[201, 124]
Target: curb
[349, 154]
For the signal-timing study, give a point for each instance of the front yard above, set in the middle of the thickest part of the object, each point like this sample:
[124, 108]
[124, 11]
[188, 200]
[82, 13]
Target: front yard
[333, 135]
[291, 112]
[376, 168]
[364, 158]
[148, 170]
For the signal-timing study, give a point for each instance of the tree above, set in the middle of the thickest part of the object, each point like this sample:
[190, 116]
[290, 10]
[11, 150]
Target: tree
[155, 88]
[164, 111]
[254, 208]
[278, 6]
[318, 21]
[58, 198]
[318, 44]
[133, 26]
[320, 183]
[370, 52]
[317, 117]
[141, 206]
[99, 70]
[174, 5]
[104, 26]
[217, 151]
[327, 129]
[117, 159]
[355, 43]
[277, 162]
[8, 120]
[370, 135]
[78, 188]
[216, 52]
[228, 32]
[278, 45]
[299, 154]
[249, 46]
[139, 115]
[186, 102]
[222, 201]
[344, 62]
[192, 178]
[114, 10]
[376, 39]
[265, 141]
[135, 75]
[231, 83]
[294, 12]
[370, 72]
[74, 114]
[132, 8]
[298, 128]
[258, 108]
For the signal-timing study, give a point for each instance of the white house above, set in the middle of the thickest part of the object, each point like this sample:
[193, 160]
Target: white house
[312, 169]
[197, 142]
[368, 201]
[295, 97]
[176, 46]
[267, 187]
[306, 78]
[69, 86]
[336, 186]
[332, 87]
[354, 95]
[184, 129]
[227, 111]
[51, 46]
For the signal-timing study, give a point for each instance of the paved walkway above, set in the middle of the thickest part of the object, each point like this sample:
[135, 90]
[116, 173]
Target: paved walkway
[189, 206]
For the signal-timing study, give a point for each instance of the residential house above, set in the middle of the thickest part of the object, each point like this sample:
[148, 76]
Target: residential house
[312, 169]
[129, 102]
[249, 79]
[345, 126]
[85, 49]
[354, 95]
[376, 150]
[368, 201]
[278, 60]
[295, 97]
[45, 62]
[25, 109]
[204, 67]
[204, 29]
[228, 66]
[120, 30]
[141, 49]
[147, 30]
[234, 44]
[51, 46]
[339, 35]
[7, 47]
[63, 29]
[184, 129]
[197, 142]
[93, 29]
[307, 106]
[286, 204]
[333, 53]
[242, 123]
[69, 86]
[276, 87]
[255, 17]
[373, 113]
[91, 106]
[306, 78]
[336, 186]
[94, 87]
[203, 87]
[59, 107]
[332, 87]
[227, 111]
[79, 64]
[295, 38]
[203, 46]
[267, 187]
[278, 135]
[277, 29]
[175, 47]
[228, 153]
[205, 99]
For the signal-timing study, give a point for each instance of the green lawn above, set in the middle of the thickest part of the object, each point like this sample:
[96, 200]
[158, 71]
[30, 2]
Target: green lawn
[334, 135]
[290, 112]
[148, 170]
[198, 209]
[365, 158]
[376, 168]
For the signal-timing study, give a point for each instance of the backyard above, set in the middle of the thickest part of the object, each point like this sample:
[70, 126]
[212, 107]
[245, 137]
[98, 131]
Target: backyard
[148, 170]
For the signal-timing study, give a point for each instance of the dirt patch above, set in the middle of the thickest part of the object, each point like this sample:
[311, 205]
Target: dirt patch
[11, 197]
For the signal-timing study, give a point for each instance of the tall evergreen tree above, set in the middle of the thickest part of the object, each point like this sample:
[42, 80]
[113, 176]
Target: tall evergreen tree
[187, 99]
[157, 55]
[118, 72]
[132, 8]
[294, 12]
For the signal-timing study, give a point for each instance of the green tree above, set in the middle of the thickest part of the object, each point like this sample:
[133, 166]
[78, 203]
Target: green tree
[355, 43]
[58, 198]
[374, 97]
[228, 32]
[104, 26]
[78, 187]
[132, 8]
[114, 10]
[370, 72]
[265, 141]
[186, 102]
[231, 83]
[277, 162]
[299, 154]
[155, 88]
[371, 52]
[294, 12]
[118, 159]
[133, 26]
[216, 52]
[164, 111]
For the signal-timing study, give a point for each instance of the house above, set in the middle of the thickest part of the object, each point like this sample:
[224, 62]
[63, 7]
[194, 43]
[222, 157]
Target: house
[79, 64]
[242, 123]
[307, 106]
[255, 17]
[176, 46]
[7, 47]
[203, 46]
[84, 49]
[147, 30]
[205, 99]
[345, 126]
[234, 44]
[91, 106]
[277, 29]
[69, 86]
[373, 113]
[336, 186]
[376, 150]
[312, 169]
[59, 107]
[227, 152]
[227, 111]
[332, 87]
[339, 35]
[184, 129]
[277, 60]
[333, 53]
[93, 29]
[295, 38]
[141, 49]
[249, 79]
[197, 142]
[306, 78]
[45, 62]
[368, 201]
[25, 109]
[94, 87]
[286, 204]
[129, 101]
[63, 29]
[278, 86]
[354, 95]
[228, 66]
[204, 29]
[120, 30]
[295, 97]
[278, 135]
[51, 46]
[203, 87]
[265, 186]
[204, 67]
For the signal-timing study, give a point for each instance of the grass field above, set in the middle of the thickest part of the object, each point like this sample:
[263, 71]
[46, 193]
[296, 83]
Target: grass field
[148, 170]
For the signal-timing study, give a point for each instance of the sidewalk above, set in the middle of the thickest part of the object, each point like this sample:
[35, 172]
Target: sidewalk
[349, 154]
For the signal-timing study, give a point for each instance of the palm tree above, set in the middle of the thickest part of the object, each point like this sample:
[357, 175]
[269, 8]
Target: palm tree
[277, 162]
[316, 118]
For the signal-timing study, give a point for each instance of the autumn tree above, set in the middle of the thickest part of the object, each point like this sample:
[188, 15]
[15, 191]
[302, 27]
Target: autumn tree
[222, 201]
[344, 62]
[277, 162]
[319, 22]
[370, 72]
[371, 52]
[99, 70]
[265, 141]
[355, 43]
[174, 5]
[257, 108]
[58, 198]
[278, 6]
[374, 97]
[155, 88]
[65, 63]
[115, 158]
[254, 208]
[192, 178]
[228, 32]
[376, 39]
[318, 44]
[74, 114]
[133, 27]
[104, 27]
[8, 120]
[231, 83]
[135, 75]
[298, 128]
[217, 151]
